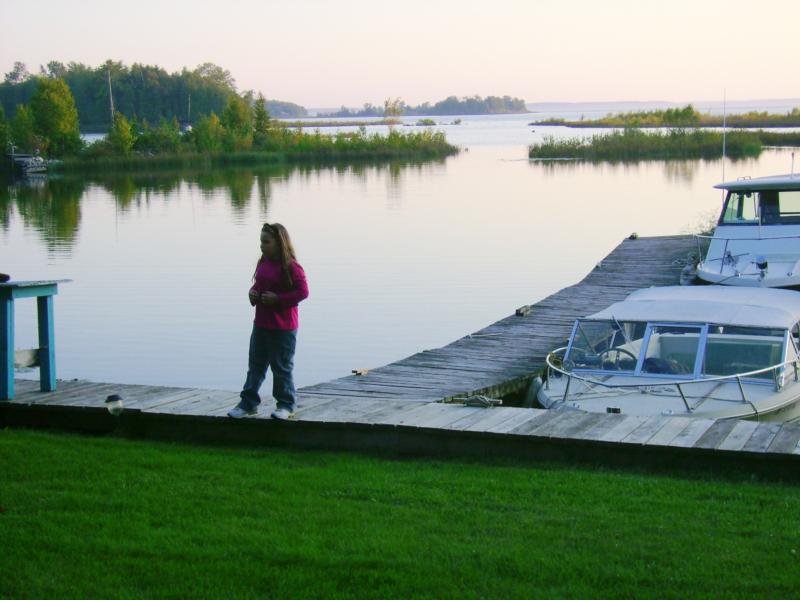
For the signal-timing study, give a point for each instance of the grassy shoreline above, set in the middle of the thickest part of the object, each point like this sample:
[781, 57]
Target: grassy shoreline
[634, 144]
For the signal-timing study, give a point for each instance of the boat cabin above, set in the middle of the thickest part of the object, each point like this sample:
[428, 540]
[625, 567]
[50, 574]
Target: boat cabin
[756, 242]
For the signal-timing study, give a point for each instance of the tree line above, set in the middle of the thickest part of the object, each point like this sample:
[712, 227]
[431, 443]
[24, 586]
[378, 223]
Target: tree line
[243, 132]
[452, 105]
[144, 93]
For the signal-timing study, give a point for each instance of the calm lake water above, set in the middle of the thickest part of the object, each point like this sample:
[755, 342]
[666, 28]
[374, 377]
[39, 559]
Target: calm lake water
[399, 257]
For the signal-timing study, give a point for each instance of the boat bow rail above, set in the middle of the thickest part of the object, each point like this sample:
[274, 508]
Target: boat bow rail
[679, 385]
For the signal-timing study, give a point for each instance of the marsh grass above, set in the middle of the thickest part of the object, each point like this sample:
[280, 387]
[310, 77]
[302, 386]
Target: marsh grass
[106, 517]
[286, 146]
[635, 144]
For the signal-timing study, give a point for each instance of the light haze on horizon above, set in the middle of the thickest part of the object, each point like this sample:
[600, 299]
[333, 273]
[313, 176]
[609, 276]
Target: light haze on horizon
[327, 54]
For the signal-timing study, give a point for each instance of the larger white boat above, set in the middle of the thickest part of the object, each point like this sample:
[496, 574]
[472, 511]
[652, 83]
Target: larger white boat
[757, 240]
[697, 351]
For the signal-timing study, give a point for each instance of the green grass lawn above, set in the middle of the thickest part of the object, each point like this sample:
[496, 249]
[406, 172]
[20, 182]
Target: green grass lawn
[87, 517]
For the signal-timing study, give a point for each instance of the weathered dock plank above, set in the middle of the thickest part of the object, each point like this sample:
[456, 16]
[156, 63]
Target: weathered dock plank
[738, 436]
[786, 439]
[762, 437]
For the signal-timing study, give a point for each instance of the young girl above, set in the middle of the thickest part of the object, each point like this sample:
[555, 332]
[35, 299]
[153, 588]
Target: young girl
[279, 284]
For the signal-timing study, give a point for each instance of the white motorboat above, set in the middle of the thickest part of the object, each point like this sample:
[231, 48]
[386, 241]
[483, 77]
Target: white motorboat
[696, 351]
[757, 239]
[30, 163]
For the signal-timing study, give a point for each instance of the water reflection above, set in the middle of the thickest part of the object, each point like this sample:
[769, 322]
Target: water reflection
[52, 205]
[674, 171]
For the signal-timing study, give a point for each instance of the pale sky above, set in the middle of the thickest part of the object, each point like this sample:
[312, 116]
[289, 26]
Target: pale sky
[348, 52]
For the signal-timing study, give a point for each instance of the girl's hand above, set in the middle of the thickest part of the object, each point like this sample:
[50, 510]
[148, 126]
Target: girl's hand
[269, 298]
[252, 295]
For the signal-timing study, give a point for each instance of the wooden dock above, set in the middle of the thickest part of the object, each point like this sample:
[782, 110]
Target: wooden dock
[399, 408]
[501, 358]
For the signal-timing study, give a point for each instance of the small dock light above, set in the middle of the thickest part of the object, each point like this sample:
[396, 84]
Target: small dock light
[114, 404]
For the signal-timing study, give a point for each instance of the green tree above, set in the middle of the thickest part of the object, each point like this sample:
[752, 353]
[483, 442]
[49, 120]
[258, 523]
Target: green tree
[55, 117]
[393, 107]
[261, 123]
[55, 69]
[236, 116]
[120, 136]
[261, 120]
[216, 75]
[22, 131]
[18, 74]
[238, 123]
[208, 133]
[3, 131]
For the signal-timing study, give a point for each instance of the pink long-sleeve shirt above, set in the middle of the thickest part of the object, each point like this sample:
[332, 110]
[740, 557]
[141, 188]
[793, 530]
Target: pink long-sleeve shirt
[269, 278]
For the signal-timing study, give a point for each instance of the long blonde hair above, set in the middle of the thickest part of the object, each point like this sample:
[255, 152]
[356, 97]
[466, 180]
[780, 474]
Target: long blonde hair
[285, 250]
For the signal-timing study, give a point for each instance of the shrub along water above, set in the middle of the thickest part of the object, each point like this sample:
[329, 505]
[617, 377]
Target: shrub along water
[634, 144]
[279, 145]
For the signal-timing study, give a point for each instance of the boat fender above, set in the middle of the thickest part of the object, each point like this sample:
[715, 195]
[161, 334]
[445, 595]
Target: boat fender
[532, 393]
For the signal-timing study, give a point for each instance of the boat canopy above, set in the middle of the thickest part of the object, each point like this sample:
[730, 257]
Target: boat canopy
[740, 306]
[775, 182]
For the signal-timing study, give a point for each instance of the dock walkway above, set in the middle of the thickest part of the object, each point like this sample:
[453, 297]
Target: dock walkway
[399, 408]
[501, 358]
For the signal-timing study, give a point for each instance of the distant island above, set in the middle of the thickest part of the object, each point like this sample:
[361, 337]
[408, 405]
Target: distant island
[474, 105]
[687, 116]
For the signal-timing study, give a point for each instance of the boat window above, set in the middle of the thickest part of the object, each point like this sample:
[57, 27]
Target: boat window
[606, 345]
[731, 350]
[740, 208]
[780, 207]
[671, 350]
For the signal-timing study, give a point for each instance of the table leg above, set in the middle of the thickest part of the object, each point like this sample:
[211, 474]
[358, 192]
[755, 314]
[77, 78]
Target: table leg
[47, 346]
[6, 348]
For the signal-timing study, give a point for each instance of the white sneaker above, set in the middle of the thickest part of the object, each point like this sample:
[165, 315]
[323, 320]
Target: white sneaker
[237, 412]
[282, 414]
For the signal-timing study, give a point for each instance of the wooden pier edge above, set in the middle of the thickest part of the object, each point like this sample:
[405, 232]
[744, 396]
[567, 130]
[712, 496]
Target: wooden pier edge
[398, 441]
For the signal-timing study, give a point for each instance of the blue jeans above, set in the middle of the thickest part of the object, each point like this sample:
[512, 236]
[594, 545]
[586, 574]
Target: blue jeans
[273, 348]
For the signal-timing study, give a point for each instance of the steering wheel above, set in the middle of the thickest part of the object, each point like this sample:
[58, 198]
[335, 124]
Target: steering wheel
[619, 352]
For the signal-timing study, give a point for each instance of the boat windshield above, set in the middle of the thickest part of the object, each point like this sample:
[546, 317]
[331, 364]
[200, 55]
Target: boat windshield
[740, 209]
[780, 207]
[776, 207]
[606, 345]
[731, 350]
[672, 350]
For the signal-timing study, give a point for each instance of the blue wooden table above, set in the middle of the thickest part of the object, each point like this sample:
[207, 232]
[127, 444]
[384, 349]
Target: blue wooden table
[43, 291]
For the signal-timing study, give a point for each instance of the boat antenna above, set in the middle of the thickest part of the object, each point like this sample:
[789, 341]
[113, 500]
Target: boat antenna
[724, 132]
[792, 172]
